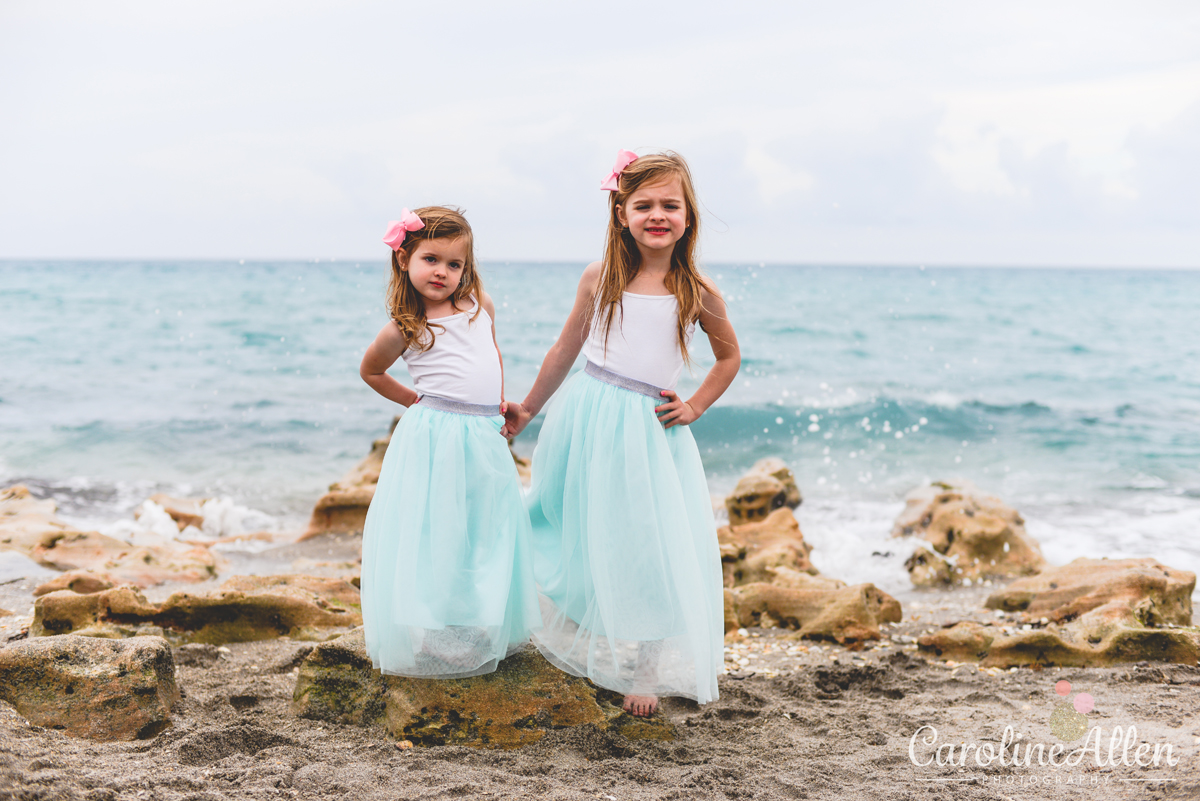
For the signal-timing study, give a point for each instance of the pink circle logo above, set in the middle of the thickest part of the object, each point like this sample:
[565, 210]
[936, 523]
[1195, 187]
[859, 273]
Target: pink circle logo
[1068, 721]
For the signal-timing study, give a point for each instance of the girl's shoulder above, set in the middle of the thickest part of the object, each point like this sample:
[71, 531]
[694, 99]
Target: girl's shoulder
[485, 302]
[589, 281]
[709, 286]
[591, 274]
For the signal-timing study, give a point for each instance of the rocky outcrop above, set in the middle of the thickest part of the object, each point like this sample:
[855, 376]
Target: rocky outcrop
[25, 521]
[32, 527]
[768, 486]
[845, 614]
[755, 552]
[1092, 612]
[79, 581]
[343, 510]
[100, 689]
[770, 581]
[972, 536]
[242, 609]
[512, 707]
[524, 466]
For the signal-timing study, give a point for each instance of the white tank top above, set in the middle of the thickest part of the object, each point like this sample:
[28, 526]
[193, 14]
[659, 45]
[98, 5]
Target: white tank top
[463, 364]
[643, 344]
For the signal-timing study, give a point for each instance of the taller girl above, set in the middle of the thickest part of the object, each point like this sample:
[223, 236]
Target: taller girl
[625, 548]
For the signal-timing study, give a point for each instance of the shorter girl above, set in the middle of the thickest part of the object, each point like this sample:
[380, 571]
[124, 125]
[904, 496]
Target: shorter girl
[447, 582]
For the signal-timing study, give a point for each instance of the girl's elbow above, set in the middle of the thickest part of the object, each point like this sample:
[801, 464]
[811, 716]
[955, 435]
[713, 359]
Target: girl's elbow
[734, 359]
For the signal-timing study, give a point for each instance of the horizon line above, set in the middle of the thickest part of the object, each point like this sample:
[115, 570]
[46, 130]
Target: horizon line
[756, 264]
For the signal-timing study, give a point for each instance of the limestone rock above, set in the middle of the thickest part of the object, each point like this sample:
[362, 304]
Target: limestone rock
[33, 527]
[143, 565]
[512, 707]
[754, 552]
[100, 689]
[768, 486]
[977, 536]
[524, 466]
[965, 641]
[25, 521]
[929, 569]
[343, 510]
[1092, 612]
[1160, 594]
[242, 609]
[844, 614]
[80, 581]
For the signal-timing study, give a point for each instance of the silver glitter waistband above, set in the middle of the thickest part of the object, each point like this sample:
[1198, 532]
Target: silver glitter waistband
[617, 380]
[458, 407]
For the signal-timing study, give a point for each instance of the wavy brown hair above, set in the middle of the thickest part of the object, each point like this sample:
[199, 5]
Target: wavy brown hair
[405, 304]
[622, 259]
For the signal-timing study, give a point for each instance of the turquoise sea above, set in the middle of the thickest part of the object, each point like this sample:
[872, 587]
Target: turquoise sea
[1072, 394]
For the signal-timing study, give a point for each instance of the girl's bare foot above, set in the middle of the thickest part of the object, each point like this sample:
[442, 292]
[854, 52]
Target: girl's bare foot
[641, 706]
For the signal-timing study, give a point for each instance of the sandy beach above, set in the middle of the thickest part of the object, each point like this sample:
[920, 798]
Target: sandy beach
[798, 719]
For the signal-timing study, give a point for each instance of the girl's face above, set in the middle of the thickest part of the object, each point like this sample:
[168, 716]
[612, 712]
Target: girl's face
[656, 215]
[436, 267]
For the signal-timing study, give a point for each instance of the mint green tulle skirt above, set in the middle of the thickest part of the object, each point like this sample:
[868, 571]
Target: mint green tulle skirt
[447, 578]
[625, 546]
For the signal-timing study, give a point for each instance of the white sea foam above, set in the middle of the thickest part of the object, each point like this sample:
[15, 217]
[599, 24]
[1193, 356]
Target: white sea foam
[223, 518]
[151, 526]
[944, 399]
[1157, 526]
[852, 541]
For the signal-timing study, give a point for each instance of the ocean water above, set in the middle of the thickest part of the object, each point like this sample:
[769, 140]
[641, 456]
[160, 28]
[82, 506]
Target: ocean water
[1074, 395]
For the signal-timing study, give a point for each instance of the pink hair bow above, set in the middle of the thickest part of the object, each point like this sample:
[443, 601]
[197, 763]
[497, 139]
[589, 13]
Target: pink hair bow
[624, 159]
[398, 229]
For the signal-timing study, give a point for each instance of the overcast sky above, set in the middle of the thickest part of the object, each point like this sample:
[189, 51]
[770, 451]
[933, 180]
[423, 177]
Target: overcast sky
[1058, 133]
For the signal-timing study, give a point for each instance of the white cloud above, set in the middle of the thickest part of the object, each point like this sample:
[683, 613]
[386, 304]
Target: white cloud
[1093, 119]
[1020, 131]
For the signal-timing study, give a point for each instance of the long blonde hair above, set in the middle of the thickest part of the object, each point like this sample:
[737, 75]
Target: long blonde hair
[622, 259]
[405, 304]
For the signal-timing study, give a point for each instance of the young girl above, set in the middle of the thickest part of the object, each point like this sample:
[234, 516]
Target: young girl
[447, 581]
[625, 547]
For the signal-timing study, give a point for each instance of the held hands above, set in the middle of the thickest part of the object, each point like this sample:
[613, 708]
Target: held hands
[516, 417]
[675, 412]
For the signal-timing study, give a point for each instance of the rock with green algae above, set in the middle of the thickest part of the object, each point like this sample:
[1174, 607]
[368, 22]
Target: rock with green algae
[242, 609]
[512, 707]
[1091, 612]
[99, 689]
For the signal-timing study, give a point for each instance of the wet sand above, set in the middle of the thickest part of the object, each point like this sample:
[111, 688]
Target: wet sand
[796, 719]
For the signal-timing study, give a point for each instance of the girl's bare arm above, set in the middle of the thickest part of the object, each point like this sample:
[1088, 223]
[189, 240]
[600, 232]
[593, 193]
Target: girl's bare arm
[714, 319]
[563, 353]
[381, 354]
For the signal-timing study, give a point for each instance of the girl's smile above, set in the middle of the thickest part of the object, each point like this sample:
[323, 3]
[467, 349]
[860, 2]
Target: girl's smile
[656, 215]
